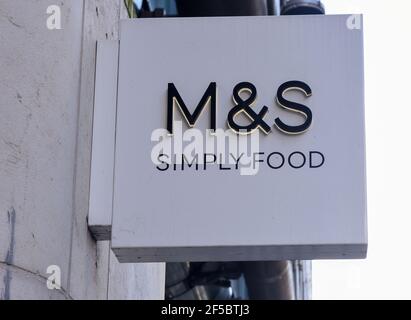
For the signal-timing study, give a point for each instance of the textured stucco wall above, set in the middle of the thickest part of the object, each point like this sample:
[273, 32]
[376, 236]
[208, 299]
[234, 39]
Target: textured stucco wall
[46, 89]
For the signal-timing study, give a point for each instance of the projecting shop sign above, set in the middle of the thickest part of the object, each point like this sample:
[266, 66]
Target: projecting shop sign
[239, 139]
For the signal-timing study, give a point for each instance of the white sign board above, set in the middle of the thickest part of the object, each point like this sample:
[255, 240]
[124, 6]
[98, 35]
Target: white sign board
[287, 182]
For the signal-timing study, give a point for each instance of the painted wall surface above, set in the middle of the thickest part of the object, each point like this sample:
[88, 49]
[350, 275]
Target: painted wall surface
[46, 105]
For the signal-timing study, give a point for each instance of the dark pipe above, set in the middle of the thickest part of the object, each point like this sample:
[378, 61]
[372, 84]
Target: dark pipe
[269, 280]
[301, 7]
[271, 7]
[209, 8]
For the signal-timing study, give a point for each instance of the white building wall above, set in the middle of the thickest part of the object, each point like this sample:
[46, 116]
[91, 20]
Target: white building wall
[46, 104]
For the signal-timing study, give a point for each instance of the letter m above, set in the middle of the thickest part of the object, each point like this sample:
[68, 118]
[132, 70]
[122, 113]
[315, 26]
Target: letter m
[210, 96]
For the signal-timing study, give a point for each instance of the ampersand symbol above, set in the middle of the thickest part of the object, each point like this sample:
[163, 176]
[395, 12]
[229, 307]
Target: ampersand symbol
[243, 105]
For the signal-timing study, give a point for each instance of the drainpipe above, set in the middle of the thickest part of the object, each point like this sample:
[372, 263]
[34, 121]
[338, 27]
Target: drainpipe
[211, 8]
[301, 7]
[269, 280]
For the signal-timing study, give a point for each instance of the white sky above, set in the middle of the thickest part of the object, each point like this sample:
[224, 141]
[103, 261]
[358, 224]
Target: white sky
[386, 273]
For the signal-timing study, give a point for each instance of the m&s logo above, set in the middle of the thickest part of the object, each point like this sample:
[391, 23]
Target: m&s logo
[243, 105]
[234, 148]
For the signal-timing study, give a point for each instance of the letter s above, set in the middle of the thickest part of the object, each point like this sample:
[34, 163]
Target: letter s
[294, 107]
